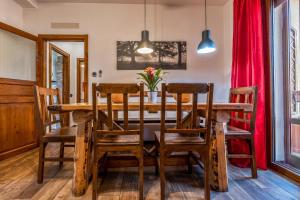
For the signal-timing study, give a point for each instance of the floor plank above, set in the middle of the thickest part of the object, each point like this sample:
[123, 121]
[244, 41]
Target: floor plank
[18, 181]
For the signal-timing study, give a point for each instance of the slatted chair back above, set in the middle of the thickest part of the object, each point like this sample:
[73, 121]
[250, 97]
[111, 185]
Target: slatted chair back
[244, 95]
[108, 89]
[45, 97]
[187, 88]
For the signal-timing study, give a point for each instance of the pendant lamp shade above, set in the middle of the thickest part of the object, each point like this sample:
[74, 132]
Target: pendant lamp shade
[206, 45]
[145, 46]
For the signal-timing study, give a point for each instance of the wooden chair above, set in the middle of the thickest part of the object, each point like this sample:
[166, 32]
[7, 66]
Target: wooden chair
[244, 95]
[185, 139]
[44, 122]
[112, 137]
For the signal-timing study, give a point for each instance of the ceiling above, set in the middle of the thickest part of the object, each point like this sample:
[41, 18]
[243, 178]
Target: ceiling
[167, 2]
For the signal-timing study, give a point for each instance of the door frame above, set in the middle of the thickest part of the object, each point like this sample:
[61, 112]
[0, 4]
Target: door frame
[66, 71]
[78, 96]
[41, 71]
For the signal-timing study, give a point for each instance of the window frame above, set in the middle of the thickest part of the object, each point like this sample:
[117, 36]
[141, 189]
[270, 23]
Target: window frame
[281, 168]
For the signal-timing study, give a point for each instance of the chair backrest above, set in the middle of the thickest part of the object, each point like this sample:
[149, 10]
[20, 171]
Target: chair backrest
[187, 88]
[43, 98]
[108, 89]
[244, 95]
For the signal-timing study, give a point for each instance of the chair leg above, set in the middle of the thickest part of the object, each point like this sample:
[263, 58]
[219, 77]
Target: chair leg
[156, 157]
[141, 175]
[61, 154]
[206, 177]
[190, 166]
[41, 163]
[95, 179]
[162, 175]
[253, 160]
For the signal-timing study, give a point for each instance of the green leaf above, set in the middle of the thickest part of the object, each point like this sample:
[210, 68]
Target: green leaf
[158, 72]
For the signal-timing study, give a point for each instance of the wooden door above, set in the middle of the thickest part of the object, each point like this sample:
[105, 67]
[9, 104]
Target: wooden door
[59, 74]
[59, 71]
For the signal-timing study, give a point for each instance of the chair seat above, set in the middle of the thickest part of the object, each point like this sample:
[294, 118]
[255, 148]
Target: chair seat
[66, 134]
[176, 138]
[236, 132]
[119, 139]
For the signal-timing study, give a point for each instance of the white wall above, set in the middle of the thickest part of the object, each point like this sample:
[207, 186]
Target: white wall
[11, 13]
[228, 39]
[76, 50]
[17, 57]
[17, 54]
[108, 23]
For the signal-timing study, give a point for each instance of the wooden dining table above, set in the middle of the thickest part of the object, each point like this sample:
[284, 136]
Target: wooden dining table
[82, 156]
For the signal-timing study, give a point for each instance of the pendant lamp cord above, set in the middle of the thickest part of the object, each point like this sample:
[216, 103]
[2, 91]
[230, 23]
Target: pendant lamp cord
[205, 16]
[145, 15]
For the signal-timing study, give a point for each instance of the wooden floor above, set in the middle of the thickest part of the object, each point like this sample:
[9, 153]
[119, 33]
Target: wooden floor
[18, 181]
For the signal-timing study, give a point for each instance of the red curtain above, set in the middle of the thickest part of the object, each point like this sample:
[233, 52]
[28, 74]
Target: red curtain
[249, 69]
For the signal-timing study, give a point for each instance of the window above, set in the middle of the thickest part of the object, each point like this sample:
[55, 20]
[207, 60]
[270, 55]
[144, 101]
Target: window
[286, 84]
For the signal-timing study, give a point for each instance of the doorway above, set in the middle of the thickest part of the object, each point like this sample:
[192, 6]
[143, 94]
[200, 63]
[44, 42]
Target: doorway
[81, 81]
[60, 42]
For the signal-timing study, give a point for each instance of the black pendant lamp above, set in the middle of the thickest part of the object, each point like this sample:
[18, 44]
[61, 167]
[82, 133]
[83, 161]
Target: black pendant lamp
[206, 45]
[145, 46]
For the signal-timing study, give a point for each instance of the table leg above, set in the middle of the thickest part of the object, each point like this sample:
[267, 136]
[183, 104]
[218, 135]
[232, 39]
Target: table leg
[219, 164]
[79, 179]
[219, 179]
[81, 154]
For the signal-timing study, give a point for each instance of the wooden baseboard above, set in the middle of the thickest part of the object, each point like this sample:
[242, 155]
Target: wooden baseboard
[14, 152]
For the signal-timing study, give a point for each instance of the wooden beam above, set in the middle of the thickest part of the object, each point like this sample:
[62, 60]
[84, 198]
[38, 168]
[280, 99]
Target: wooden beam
[17, 31]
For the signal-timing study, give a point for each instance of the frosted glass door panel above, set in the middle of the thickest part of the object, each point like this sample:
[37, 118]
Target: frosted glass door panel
[17, 57]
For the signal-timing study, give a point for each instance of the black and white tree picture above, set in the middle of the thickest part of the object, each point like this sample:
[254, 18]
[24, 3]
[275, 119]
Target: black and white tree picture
[166, 55]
